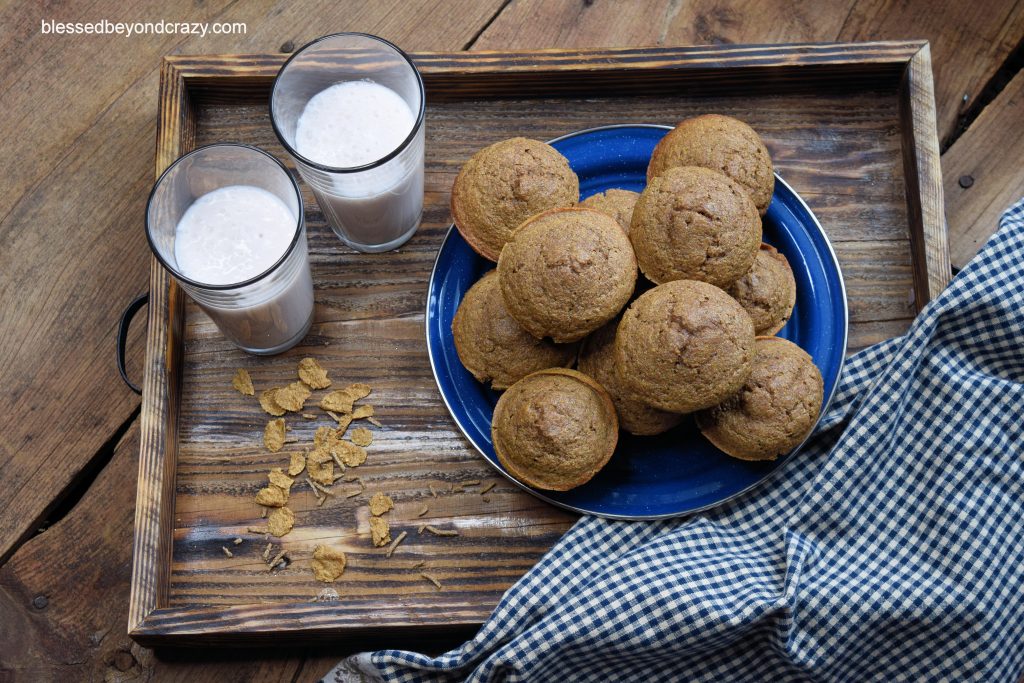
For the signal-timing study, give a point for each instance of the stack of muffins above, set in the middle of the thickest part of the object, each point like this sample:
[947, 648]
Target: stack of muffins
[696, 341]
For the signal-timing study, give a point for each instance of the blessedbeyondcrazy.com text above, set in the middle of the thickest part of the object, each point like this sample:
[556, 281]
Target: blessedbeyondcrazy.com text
[135, 28]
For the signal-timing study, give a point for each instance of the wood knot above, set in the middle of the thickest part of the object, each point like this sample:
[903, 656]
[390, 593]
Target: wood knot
[966, 181]
[40, 602]
[288, 46]
[123, 660]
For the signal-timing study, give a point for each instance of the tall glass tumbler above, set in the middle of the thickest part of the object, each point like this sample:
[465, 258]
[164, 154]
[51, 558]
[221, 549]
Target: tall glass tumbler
[270, 311]
[374, 206]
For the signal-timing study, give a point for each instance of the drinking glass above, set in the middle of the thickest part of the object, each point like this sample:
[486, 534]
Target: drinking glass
[265, 314]
[376, 206]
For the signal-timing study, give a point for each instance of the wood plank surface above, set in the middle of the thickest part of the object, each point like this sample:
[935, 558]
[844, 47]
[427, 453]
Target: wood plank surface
[76, 182]
[106, 116]
[984, 172]
[968, 43]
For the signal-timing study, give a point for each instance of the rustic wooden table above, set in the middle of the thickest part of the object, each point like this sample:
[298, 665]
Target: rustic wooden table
[80, 116]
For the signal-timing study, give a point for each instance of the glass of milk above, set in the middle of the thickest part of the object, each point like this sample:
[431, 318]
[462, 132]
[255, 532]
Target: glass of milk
[349, 108]
[226, 220]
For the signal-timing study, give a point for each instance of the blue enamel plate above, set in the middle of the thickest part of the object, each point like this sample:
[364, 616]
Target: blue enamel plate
[677, 472]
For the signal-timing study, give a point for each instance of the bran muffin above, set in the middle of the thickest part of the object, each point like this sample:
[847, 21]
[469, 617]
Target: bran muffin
[554, 429]
[684, 346]
[566, 272]
[767, 292]
[775, 410]
[616, 203]
[493, 346]
[597, 359]
[694, 223]
[723, 143]
[504, 184]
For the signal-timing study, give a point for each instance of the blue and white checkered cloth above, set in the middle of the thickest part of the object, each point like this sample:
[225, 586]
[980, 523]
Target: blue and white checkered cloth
[890, 549]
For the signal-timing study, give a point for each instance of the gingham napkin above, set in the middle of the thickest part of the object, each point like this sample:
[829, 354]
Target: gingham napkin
[891, 548]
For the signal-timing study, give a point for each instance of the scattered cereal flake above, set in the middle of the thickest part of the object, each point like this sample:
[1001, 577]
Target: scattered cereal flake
[292, 397]
[277, 559]
[263, 514]
[432, 491]
[381, 503]
[340, 401]
[374, 421]
[280, 521]
[272, 496]
[432, 580]
[319, 489]
[237, 541]
[361, 436]
[278, 478]
[439, 532]
[313, 374]
[227, 552]
[257, 529]
[361, 412]
[420, 529]
[273, 435]
[359, 390]
[471, 482]
[487, 488]
[350, 454]
[422, 512]
[327, 595]
[419, 564]
[266, 552]
[343, 422]
[456, 488]
[328, 563]
[320, 467]
[323, 437]
[268, 401]
[309, 416]
[486, 499]
[394, 543]
[243, 382]
[297, 464]
[380, 531]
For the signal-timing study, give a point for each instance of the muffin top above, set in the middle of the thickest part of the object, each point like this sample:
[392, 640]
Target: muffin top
[775, 410]
[493, 346]
[554, 429]
[723, 143]
[504, 184]
[597, 359]
[767, 292]
[616, 203]
[694, 223]
[684, 346]
[566, 272]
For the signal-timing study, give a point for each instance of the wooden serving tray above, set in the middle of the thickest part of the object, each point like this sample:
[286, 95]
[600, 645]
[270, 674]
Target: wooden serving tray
[850, 126]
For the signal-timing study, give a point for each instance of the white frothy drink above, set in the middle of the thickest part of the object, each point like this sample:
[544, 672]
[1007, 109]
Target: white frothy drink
[231, 235]
[352, 124]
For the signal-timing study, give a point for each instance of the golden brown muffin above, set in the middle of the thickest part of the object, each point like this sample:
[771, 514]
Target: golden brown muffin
[566, 272]
[554, 429]
[493, 346]
[597, 359]
[775, 410]
[504, 184]
[684, 346]
[723, 143]
[616, 203]
[767, 292]
[693, 223]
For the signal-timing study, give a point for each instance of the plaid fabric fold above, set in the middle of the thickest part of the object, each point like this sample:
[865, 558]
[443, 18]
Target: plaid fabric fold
[891, 548]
